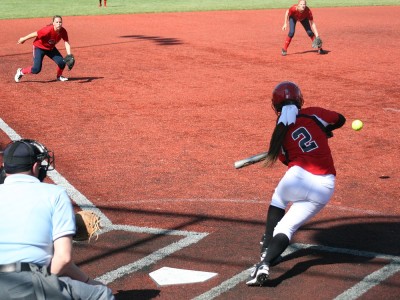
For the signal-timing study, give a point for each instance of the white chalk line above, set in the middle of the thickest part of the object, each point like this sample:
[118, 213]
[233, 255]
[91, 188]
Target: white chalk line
[191, 238]
[234, 281]
[9, 131]
[354, 292]
[391, 109]
[370, 281]
[151, 259]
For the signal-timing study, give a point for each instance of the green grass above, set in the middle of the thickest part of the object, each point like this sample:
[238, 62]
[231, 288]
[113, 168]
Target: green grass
[15, 9]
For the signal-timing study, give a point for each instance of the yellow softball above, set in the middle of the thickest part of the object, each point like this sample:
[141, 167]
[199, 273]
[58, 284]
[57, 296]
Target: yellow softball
[357, 125]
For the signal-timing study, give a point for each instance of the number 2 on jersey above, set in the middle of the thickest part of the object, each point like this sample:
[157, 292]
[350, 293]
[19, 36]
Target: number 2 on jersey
[306, 143]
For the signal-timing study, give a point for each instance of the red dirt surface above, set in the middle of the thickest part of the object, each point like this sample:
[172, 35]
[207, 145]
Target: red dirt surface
[158, 108]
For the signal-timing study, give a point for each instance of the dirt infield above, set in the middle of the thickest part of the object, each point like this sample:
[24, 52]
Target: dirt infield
[158, 108]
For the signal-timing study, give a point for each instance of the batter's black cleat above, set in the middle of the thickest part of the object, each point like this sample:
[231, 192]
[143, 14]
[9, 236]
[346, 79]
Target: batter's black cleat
[284, 52]
[259, 275]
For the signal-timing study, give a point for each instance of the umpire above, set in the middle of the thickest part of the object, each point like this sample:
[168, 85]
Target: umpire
[36, 228]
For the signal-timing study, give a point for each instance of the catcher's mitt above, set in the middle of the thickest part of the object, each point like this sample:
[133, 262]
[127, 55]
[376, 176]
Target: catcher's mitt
[317, 42]
[87, 225]
[69, 61]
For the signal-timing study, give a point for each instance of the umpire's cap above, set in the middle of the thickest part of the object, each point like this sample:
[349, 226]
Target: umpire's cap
[20, 156]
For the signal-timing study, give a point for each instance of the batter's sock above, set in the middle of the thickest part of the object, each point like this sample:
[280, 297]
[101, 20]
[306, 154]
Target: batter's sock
[276, 247]
[287, 43]
[274, 215]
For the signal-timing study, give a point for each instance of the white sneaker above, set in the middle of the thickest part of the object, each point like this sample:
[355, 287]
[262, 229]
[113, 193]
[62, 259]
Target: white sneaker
[62, 78]
[259, 275]
[18, 75]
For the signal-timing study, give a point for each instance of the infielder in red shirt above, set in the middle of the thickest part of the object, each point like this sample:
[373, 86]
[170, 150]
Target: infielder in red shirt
[45, 45]
[300, 141]
[301, 13]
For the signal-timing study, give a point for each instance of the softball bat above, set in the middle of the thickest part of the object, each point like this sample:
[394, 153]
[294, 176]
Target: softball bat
[250, 160]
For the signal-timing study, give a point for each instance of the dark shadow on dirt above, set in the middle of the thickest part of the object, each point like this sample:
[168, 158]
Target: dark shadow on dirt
[355, 243]
[78, 79]
[131, 245]
[311, 51]
[376, 234]
[156, 39]
[319, 257]
[372, 234]
[84, 79]
[137, 294]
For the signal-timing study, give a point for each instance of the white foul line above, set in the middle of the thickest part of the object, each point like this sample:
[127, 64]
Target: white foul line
[9, 131]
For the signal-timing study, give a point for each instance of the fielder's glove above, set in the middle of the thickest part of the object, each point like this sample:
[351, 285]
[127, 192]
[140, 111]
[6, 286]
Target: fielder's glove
[87, 225]
[69, 61]
[317, 42]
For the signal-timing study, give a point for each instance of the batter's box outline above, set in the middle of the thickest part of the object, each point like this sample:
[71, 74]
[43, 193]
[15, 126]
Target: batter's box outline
[354, 292]
[84, 203]
[191, 238]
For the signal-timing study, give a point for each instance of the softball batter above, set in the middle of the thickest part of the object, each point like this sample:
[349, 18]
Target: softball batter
[299, 13]
[300, 141]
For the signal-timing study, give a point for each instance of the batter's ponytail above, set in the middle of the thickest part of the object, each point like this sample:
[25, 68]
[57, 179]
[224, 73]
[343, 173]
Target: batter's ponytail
[275, 144]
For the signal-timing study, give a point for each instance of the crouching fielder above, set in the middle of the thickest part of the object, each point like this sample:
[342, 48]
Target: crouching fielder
[300, 141]
[301, 13]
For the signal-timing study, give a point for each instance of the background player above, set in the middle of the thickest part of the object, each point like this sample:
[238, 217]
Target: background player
[302, 13]
[45, 44]
[300, 141]
[105, 3]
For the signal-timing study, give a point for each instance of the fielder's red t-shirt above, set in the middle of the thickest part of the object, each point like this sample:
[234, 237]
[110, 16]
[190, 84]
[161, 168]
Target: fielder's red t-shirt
[47, 37]
[300, 16]
[306, 144]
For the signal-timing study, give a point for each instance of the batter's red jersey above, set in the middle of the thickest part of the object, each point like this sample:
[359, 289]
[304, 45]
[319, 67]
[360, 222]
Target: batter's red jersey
[306, 144]
[47, 37]
[300, 16]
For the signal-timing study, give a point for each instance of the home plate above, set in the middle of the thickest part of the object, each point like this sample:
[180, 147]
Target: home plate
[169, 276]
